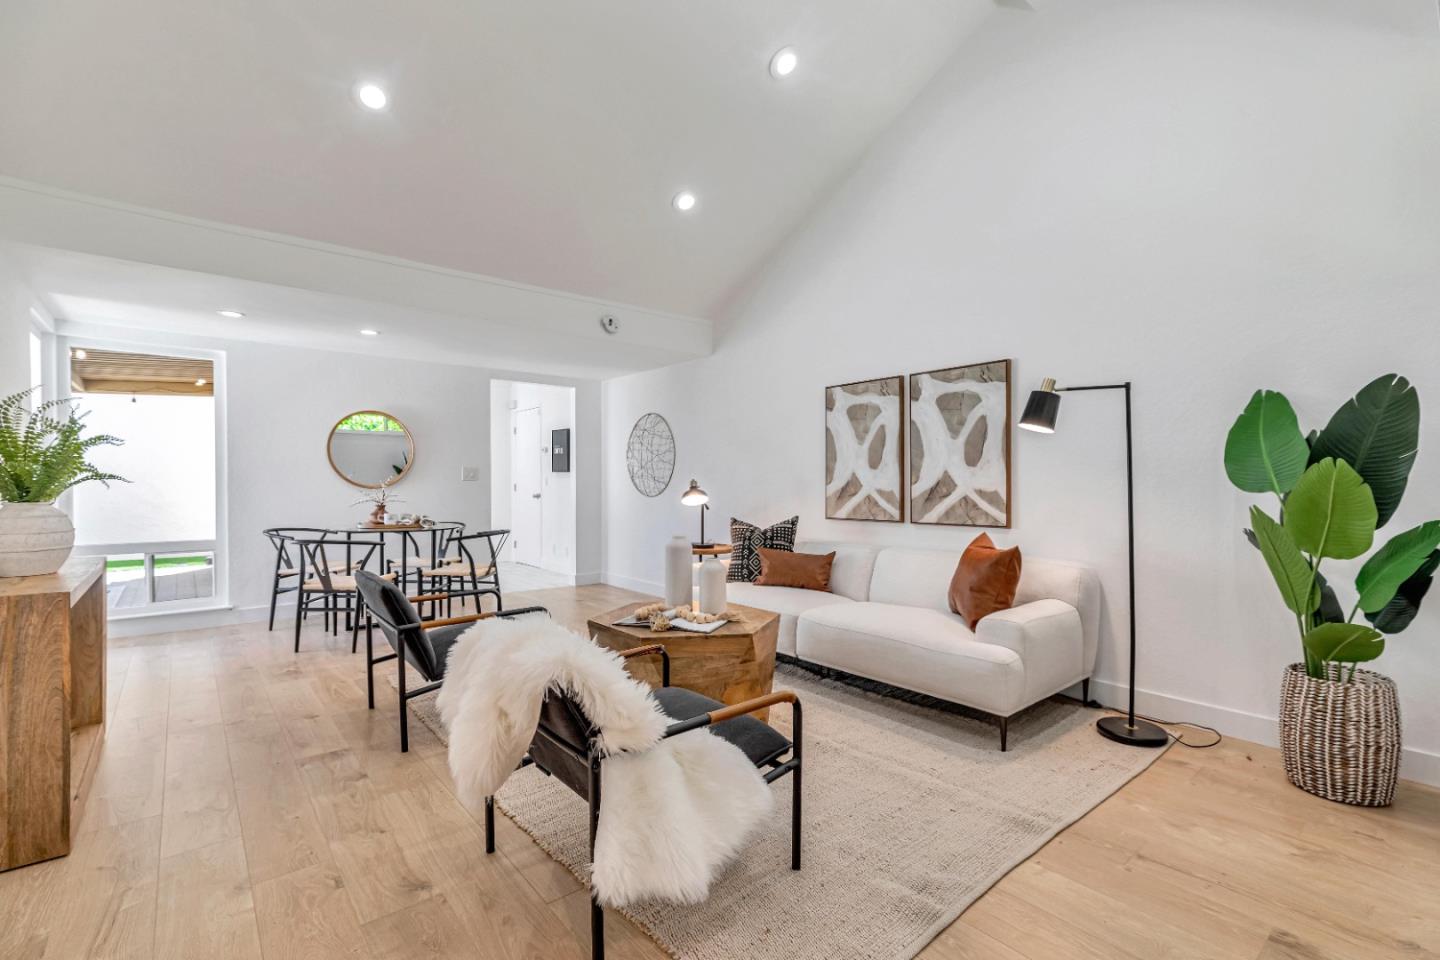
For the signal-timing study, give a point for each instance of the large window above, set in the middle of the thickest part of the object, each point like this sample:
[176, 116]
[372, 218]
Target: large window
[158, 531]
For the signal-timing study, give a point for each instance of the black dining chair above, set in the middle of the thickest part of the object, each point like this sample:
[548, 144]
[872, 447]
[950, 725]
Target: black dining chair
[475, 567]
[286, 576]
[442, 533]
[566, 746]
[426, 643]
[319, 581]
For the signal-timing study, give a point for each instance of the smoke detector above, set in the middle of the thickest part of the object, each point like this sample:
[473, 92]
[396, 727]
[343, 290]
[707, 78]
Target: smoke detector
[609, 324]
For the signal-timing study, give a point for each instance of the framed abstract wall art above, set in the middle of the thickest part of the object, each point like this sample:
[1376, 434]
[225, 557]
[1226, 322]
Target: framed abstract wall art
[960, 445]
[865, 451]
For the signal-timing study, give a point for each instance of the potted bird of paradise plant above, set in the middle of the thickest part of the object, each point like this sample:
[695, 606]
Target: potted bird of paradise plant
[1339, 724]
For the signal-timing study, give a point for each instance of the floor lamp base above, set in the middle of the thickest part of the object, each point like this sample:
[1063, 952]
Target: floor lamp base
[1142, 734]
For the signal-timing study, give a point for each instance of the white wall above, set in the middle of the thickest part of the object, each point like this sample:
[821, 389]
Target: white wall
[168, 457]
[281, 403]
[1205, 198]
[558, 501]
[16, 302]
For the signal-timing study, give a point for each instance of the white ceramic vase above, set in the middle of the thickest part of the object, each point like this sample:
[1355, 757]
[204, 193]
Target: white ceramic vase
[712, 586]
[35, 539]
[677, 572]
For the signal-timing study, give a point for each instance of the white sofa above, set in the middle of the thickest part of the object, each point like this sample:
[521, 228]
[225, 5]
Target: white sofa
[887, 618]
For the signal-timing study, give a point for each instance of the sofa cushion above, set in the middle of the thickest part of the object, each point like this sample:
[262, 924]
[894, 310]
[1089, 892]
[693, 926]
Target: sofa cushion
[926, 650]
[984, 581]
[785, 568]
[789, 602]
[850, 573]
[921, 578]
[746, 539]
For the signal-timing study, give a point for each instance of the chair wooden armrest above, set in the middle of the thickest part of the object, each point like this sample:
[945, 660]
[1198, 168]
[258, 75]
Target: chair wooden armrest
[637, 651]
[473, 617]
[648, 649]
[426, 597]
[451, 621]
[751, 705]
[733, 711]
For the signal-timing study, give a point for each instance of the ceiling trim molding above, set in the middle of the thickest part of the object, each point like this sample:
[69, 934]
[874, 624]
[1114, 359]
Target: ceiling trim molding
[45, 216]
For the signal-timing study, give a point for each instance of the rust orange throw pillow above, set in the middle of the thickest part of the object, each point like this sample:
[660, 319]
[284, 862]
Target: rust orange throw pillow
[985, 580]
[808, 571]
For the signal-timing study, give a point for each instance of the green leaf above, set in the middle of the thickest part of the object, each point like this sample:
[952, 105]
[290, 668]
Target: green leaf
[42, 456]
[1331, 512]
[1377, 432]
[1330, 610]
[1344, 642]
[1265, 450]
[1394, 563]
[1401, 610]
[1287, 565]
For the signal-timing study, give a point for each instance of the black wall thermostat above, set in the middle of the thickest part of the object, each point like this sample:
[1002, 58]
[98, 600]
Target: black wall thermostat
[559, 451]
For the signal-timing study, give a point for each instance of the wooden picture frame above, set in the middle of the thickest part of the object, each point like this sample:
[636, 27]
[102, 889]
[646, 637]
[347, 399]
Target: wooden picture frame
[958, 473]
[865, 450]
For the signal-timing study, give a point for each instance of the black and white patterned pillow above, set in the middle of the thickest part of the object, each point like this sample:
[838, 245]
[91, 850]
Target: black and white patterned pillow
[746, 539]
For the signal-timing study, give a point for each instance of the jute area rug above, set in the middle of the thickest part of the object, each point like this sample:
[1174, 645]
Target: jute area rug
[911, 813]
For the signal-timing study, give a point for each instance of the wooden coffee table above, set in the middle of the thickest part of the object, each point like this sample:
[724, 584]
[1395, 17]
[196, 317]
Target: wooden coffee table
[731, 665]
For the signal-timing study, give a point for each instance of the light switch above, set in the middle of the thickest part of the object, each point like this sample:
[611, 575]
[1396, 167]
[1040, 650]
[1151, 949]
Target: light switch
[469, 474]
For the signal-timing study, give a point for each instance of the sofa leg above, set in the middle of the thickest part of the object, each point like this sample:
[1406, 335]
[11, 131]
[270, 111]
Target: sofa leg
[1085, 692]
[1004, 733]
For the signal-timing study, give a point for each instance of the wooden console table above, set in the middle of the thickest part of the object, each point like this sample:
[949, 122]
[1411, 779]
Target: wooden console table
[52, 705]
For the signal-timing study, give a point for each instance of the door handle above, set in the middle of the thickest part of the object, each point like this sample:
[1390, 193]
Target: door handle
[535, 496]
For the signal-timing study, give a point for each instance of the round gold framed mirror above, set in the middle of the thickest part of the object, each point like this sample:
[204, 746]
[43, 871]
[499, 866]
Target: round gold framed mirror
[371, 449]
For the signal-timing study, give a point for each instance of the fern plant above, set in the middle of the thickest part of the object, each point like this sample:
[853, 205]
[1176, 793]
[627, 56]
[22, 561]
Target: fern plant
[43, 452]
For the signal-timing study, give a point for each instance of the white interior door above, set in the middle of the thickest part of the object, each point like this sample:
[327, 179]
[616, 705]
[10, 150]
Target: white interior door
[526, 507]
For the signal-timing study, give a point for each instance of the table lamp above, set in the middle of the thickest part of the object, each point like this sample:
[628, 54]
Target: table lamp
[695, 497]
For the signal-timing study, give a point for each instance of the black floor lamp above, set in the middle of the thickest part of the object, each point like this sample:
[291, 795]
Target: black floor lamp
[1040, 414]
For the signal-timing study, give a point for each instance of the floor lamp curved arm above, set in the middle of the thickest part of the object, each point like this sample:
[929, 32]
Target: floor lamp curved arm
[1041, 412]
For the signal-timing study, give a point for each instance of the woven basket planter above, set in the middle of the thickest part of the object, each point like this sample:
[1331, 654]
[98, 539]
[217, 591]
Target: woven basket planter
[1341, 740]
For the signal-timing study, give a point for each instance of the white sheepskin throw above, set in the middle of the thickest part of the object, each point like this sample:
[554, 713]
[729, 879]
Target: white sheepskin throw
[672, 813]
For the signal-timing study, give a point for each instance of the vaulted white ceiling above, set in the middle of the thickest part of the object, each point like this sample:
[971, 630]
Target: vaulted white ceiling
[537, 142]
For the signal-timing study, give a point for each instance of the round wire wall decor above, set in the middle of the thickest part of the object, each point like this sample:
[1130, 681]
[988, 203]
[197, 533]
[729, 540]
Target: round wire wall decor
[650, 455]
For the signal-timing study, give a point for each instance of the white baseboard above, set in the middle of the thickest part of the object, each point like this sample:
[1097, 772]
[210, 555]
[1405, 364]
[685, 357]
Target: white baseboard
[1422, 766]
[586, 579]
[191, 620]
[629, 583]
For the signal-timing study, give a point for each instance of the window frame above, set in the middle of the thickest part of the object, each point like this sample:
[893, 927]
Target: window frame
[63, 347]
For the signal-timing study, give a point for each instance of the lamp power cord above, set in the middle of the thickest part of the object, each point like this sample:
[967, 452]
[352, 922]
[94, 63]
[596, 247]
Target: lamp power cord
[1177, 738]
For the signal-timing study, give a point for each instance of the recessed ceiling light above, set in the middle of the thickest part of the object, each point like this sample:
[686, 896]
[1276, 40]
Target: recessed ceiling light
[371, 96]
[684, 201]
[201, 382]
[369, 333]
[232, 314]
[80, 354]
[784, 62]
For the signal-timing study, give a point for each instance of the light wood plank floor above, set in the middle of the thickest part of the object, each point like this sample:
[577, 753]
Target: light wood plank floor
[248, 805]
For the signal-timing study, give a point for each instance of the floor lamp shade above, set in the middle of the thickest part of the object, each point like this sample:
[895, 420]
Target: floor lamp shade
[1041, 410]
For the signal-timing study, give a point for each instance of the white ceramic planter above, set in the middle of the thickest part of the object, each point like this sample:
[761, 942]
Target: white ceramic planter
[35, 539]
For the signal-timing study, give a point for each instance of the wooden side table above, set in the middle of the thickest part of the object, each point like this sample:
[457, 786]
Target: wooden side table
[52, 705]
[733, 664]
